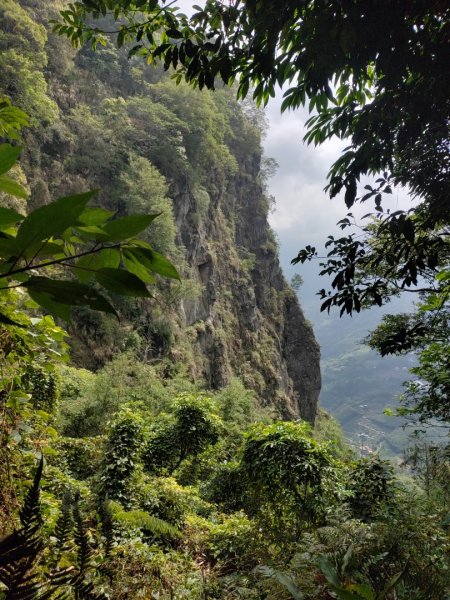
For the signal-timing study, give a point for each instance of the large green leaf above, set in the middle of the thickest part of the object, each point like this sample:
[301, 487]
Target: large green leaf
[51, 220]
[87, 266]
[128, 227]
[283, 578]
[121, 282]
[70, 293]
[40, 250]
[8, 157]
[9, 186]
[47, 302]
[94, 216]
[155, 262]
[329, 571]
[9, 217]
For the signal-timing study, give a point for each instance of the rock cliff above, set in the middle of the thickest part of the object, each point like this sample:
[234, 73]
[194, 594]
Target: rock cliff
[100, 120]
[247, 321]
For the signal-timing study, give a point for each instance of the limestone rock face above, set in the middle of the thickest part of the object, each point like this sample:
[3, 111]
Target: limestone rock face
[247, 321]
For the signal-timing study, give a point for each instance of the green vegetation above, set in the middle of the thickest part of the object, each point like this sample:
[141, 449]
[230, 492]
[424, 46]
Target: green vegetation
[145, 457]
[388, 99]
[184, 495]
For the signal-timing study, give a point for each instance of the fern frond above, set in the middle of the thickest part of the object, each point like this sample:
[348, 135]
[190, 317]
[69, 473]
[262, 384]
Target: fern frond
[284, 579]
[30, 513]
[19, 551]
[64, 524]
[107, 530]
[144, 521]
[85, 590]
[81, 538]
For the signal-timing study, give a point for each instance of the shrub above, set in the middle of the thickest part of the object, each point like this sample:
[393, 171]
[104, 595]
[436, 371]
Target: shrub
[370, 484]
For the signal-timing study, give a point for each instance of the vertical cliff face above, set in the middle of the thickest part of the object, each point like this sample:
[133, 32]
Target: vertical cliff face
[114, 124]
[247, 320]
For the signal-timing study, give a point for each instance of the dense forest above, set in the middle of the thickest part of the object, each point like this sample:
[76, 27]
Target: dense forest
[160, 433]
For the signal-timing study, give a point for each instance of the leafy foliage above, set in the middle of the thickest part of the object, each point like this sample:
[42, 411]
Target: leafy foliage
[288, 467]
[69, 233]
[370, 485]
[193, 428]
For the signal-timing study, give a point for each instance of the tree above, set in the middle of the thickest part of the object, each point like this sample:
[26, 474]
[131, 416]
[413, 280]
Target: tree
[192, 427]
[287, 468]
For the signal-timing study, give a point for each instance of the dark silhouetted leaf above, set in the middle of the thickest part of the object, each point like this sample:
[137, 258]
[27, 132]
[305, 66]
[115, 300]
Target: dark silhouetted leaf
[121, 282]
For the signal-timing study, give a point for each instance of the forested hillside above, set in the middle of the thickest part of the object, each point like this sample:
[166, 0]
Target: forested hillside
[165, 441]
[100, 121]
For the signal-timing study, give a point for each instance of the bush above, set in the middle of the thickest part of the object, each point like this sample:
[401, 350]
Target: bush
[228, 487]
[189, 430]
[370, 484]
[81, 455]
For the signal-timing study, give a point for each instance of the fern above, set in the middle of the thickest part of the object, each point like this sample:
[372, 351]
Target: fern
[64, 525]
[284, 579]
[19, 551]
[107, 529]
[85, 590]
[81, 538]
[144, 521]
[30, 513]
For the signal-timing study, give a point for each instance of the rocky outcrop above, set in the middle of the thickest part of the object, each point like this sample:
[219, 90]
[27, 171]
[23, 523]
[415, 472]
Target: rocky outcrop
[247, 320]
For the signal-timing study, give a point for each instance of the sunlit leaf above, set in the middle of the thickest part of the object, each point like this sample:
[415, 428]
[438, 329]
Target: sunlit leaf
[70, 293]
[51, 220]
[128, 227]
[9, 186]
[8, 157]
[155, 262]
[86, 266]
[9, 217]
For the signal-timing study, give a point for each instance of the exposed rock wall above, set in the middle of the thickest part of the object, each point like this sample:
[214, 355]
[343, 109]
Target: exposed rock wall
[247, 321]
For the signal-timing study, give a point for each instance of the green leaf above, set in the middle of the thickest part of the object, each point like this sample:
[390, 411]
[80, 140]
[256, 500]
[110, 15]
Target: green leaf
[46, 302]
[155, 262]
[127, 227]
[52, 292]
[47, 249]
[9, 186]
[283, 578]
[391, 584]
[5, 320]
[329, 571]
[86, 266]
[9, 217]
[8, 247]
[94, 216]
[8, 157]
[51, 220]
[122, 282]
[92, 232]
[137, 268]
[363, 590]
